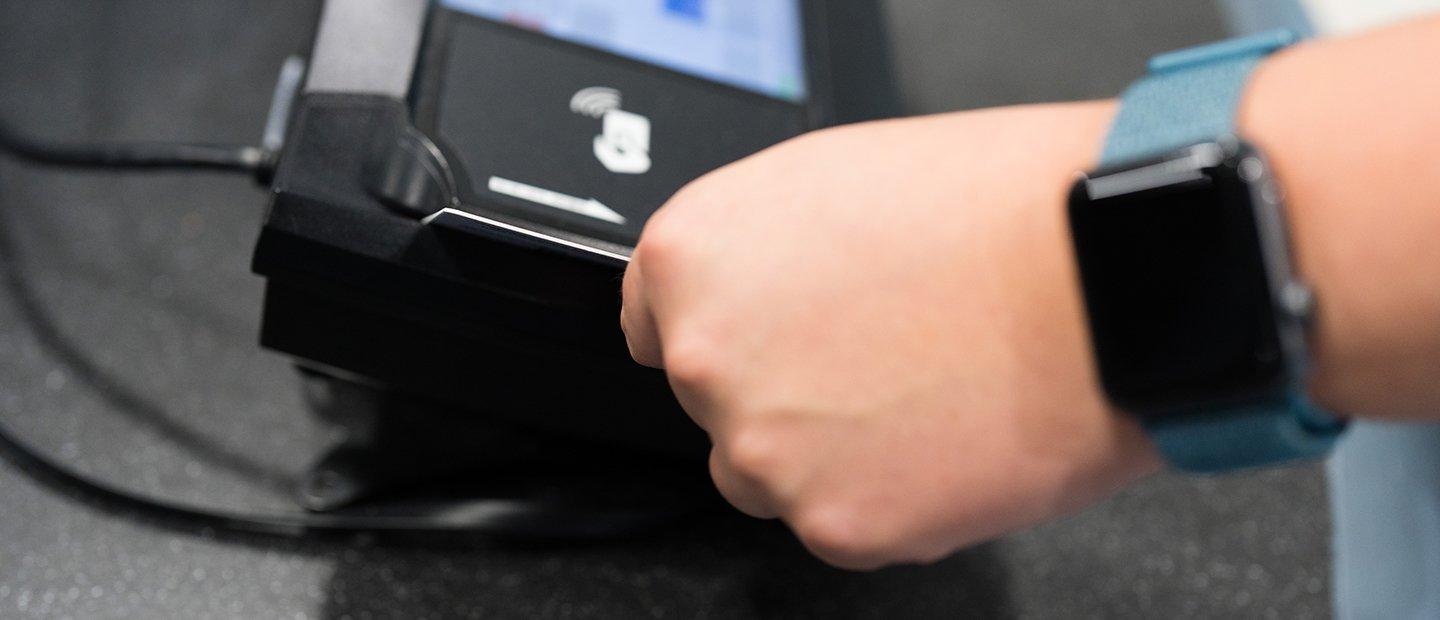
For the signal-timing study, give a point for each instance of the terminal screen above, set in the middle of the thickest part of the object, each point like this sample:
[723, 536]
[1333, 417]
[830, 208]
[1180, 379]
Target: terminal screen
[752, 44]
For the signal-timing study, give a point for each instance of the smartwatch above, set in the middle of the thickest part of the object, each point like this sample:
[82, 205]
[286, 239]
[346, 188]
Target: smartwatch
[1197, 316]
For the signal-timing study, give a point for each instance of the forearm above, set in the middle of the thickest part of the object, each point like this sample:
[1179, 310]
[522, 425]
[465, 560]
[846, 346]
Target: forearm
[898, 385]
[1352, 127]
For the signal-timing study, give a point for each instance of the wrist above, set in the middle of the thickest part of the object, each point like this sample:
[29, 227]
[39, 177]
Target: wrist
[1127, 451]
[1359, 204]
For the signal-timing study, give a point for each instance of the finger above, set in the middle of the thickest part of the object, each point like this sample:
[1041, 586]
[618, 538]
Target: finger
[744, 493]
[637, 319]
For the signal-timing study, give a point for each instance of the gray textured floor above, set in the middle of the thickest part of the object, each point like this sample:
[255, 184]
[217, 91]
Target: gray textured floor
[146, 280]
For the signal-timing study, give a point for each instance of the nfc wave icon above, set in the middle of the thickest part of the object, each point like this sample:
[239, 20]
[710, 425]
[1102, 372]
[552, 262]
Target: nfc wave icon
[595, 101]
[623, 145]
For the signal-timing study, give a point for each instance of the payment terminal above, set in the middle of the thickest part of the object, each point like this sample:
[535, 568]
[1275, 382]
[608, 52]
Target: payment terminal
[463, 181]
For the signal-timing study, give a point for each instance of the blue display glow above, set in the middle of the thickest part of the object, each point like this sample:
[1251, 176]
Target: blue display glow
[754, 44]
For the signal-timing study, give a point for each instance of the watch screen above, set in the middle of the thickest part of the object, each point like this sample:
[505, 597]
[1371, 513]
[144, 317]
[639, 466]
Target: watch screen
[1175, 287]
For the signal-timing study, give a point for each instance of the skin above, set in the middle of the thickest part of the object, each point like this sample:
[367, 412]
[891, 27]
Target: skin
[899, 386]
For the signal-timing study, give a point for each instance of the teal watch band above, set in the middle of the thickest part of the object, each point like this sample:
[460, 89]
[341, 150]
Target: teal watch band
[1191, 96]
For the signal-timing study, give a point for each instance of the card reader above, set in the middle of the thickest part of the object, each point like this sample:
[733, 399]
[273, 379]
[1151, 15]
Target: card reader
[462, 182]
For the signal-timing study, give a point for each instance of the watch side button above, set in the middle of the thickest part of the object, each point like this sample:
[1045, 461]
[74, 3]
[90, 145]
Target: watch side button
[1270, 191]
[1252, 169]
[1298, 301]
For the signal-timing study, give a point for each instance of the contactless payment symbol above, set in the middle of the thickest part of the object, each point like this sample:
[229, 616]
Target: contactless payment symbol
[623, 145]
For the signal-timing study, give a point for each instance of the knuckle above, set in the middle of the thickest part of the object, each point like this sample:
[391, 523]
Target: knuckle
[725, 481]
[663, 245]
[747, 496]
[692, 363]
[670, 235]
[842, 537]
[671, 225]
[751, 452]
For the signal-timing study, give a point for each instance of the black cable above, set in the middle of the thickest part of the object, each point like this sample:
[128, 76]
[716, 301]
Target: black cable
[507, 518]
[520, 518]
[135, 155]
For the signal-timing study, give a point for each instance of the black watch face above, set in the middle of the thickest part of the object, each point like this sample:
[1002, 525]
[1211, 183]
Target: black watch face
[1175, 281]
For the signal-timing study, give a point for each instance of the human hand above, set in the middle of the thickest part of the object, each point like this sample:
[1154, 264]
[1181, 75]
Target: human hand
[880, 328]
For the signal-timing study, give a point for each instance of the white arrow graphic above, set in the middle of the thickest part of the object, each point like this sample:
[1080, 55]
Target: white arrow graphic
[588, 207]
